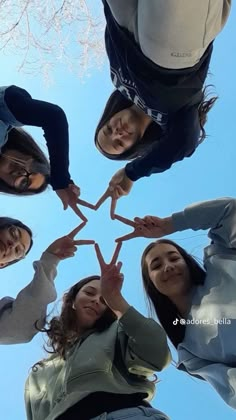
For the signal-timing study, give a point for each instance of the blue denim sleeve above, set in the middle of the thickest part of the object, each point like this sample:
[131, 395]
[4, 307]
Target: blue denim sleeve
[54, 123]
[179, 141]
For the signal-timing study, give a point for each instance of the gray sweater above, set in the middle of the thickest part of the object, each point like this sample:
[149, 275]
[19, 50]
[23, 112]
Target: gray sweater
[208, 348]
[118, 360]
[18, 316]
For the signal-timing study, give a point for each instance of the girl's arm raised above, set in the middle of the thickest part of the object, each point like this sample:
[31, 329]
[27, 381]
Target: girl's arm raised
[217, 215]
[18, 316]
[179, 141]
[53, 121]
[143, 342]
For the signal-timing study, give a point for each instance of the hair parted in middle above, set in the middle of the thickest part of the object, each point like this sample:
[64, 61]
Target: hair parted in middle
[117, 102]
[20, 140]
[6, 222]
[62, 330]
[165, 310]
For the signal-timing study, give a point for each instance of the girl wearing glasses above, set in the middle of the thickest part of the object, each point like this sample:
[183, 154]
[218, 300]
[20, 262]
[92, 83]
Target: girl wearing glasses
[24, 169]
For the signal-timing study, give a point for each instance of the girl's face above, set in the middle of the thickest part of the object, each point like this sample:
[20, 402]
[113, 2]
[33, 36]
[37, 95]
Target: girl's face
[89, 304]
[120, 132]
[14, 244]
[13, 172]
[168, 270]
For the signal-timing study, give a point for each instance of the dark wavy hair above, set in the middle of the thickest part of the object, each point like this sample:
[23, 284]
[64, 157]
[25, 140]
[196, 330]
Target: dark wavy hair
[164, 308]
[117, 102]
[20, 140]
[62, 330]
[6, 222]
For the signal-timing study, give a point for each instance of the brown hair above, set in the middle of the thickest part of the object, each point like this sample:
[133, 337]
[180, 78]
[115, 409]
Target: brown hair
[203, 109]
[164, 308]
[20, 140]
[62, 330]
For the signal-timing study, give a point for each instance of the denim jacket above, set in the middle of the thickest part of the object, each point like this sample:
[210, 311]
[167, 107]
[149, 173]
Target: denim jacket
[208, 348]
[7, 120]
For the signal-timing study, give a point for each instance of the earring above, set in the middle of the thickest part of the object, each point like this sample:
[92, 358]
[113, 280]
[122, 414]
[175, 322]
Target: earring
[73, 306]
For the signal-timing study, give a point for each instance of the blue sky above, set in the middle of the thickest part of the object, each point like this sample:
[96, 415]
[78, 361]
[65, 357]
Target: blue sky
[208, 174]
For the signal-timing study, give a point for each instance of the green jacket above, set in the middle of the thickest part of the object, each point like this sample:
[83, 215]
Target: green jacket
[118, 360]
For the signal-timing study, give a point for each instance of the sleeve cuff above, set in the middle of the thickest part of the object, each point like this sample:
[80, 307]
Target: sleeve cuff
[49, 258]
[179, 221]
[130, 174]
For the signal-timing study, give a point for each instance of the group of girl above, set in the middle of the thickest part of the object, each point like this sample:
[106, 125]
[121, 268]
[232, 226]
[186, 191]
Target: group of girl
[104, 353]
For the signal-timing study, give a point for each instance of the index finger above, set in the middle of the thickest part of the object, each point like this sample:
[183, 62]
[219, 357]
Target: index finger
[116, 253]
[74, 232]
[78, 212]
[99, 256]
[127, 237]
[124, 220]
[85, 204]
[84, 242]
[103, 198]
[113, 207]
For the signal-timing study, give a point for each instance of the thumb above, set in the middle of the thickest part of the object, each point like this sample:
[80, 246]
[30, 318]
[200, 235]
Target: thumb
[119, 265]
[75, 189]
[64, 202]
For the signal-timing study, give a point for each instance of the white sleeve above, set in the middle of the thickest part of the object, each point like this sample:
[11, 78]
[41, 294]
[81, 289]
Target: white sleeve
[18, 316]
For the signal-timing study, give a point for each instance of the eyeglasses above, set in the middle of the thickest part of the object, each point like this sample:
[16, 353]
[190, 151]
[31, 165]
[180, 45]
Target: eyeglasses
[20, 173]
[24, 183]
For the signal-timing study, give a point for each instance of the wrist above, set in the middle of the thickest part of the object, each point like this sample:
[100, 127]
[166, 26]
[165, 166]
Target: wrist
[118, 305]
[168, 225]
[49, 258]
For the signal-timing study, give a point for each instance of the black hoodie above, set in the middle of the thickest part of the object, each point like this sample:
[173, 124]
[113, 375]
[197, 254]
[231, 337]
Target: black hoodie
[170, 97]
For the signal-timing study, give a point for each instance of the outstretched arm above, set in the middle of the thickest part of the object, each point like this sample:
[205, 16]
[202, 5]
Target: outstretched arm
[53, 121]
[180, 141]
[18, 316]
[143, 342]
[147, 227]
[217, 215]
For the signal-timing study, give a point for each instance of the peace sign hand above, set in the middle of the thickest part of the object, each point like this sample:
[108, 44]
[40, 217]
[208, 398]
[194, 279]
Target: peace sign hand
[119, 185]
[120, 180]
[66, 246]
[108, 193]
[111, 278]
[69, 197]
[147, 227]
[103, 265]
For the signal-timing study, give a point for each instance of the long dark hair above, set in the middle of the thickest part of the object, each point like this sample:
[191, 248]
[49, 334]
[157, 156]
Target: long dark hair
[6, 222]
[62, 330]
[203, 109]
[164, 308]
[20, 140]
[117, 102]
